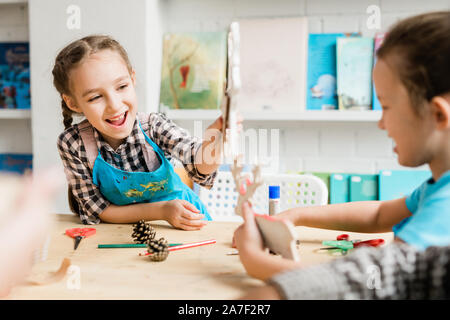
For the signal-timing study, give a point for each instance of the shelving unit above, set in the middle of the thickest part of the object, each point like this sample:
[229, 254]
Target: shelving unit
[13, 1]
[312, 115]
[15, 114]
[15, 124]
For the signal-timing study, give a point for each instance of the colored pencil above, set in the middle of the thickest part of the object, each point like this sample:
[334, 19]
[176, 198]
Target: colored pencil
[186, 246]
[130, 245]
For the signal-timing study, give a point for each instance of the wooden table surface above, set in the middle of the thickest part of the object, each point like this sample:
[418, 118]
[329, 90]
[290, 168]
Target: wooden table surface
[205, 272]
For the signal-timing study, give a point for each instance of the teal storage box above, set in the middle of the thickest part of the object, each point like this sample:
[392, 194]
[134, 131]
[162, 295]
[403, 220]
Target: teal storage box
[394, 184]
[364, 187]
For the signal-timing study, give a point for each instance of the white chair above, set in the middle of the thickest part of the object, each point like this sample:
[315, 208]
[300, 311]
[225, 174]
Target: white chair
[296, 190]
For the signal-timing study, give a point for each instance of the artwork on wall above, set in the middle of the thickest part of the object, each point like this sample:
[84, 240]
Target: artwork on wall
[14, 75]
[378, 40]
[193, 70]
[321, 91]
[273, 55]
[17, 163]
[354, 73]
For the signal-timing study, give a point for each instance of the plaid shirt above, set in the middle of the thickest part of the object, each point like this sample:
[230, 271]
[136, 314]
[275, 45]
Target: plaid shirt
[396, 271]
[176, 143]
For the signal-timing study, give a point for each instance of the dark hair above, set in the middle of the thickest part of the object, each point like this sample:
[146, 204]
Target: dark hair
[420, 48]
[69, 58]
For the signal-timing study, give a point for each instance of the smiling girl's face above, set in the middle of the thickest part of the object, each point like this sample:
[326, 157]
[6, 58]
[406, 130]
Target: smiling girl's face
[103, 90]
[412, 134]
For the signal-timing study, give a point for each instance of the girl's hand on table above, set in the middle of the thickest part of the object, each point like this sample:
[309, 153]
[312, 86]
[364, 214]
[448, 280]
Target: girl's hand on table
[183, 215]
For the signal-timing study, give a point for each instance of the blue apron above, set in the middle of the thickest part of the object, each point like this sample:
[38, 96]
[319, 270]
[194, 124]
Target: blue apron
[123, 187]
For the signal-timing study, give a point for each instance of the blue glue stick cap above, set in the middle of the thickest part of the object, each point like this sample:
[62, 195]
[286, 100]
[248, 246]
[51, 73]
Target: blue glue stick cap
[274, 192]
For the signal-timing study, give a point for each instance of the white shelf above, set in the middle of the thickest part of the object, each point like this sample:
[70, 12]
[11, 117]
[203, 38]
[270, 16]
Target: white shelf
[332, 115]
[13, 1]
[15, 114]
[192, 114]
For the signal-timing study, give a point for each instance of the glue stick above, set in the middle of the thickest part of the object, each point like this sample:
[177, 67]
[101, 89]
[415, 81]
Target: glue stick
[274, 200]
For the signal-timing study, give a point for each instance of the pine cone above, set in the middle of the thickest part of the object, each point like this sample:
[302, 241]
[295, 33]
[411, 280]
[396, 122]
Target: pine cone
[143, 232]
[158, 249]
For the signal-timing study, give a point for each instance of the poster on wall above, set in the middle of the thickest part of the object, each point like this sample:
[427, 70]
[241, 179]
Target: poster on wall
[193, 70]
[354, 73]
[273, 54]
[16, 163]
[14, 75]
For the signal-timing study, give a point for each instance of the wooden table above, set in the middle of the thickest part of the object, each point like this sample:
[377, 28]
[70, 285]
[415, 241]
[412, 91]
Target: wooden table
[205, 272]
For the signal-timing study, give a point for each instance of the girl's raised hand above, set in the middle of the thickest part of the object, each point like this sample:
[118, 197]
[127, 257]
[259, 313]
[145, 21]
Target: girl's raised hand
[218, 123]
[183, 215]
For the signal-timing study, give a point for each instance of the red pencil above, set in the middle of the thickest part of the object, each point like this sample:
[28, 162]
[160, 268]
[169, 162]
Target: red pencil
[186, 245]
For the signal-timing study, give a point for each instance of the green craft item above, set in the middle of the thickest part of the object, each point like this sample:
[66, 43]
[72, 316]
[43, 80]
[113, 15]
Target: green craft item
[341, 244]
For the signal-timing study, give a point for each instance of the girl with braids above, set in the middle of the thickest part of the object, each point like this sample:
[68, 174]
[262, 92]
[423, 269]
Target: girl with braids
[117, 160]
[412, 81]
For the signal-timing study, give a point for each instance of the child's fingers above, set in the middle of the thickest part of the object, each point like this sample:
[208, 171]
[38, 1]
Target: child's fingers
[248, 214]
[233, 241]
[189, 228]
[192, 220]
[218, 123]
[192, 224]
[39, 192]
[240, 119]
[188, 215]
[189, 206]
[41, 187]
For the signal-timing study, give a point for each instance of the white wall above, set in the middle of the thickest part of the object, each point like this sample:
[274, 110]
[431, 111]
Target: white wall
[324, 15]
[138, 25]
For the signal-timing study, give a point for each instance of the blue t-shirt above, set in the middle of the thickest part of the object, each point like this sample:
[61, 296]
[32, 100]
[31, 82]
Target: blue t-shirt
[429, 224]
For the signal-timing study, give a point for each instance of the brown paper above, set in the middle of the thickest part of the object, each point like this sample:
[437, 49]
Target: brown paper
[54, 276]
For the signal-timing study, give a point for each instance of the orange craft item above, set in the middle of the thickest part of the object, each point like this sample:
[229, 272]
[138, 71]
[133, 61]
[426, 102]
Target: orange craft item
[79, 234]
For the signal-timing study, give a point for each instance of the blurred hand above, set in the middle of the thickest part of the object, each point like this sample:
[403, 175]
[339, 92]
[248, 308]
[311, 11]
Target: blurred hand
[27, 228]
[218, 123]
[240, 119]
[183, 215]
[287, 215]
[247, 237]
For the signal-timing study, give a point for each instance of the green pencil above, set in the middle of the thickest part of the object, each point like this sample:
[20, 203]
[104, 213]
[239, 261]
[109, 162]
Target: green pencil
[130, 245]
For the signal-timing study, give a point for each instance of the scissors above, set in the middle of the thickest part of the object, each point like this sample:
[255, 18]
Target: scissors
[79, 234]
[343, 243]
